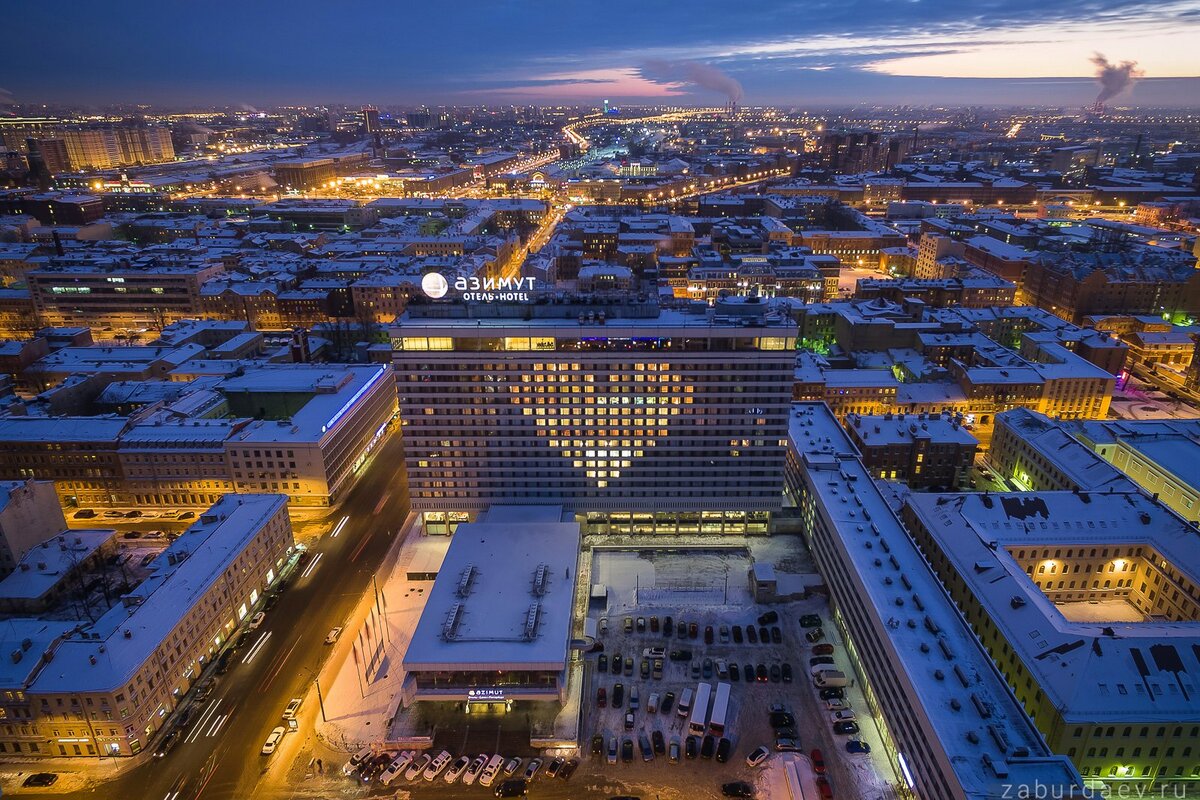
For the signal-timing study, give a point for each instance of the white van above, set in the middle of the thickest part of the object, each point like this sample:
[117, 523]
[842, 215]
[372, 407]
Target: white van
[684, 709]
[830, 678]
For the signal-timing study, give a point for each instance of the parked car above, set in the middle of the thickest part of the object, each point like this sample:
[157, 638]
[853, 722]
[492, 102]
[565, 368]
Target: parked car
[707, 746]
[668, 626]
[776, 634]
[723, 748]
[757, 756]
[512, 765]
[417, 767]
[602, 663]
[844, 715]
[168, 742]
[641, 624]
[601, 697]
[690, 748]
[645, 671]
[787, 672]
[667, 702]
[41, 779]
[478, 764]
[760, 673]
[513, 787]
[292, 708]
[708, 634]
[764, 635]
[815, 635]
[734, 673]
[568, 769]
[737, 634]
[786, 744]
[846, 728]
[555, 765]
[782, 719]
[396, 768]
[634, 699]
[629, 624]
[628, 666]
[751, 634]
[818, 761]
[680, 655]
[768, 618]
[836, 704]
[273, 739]
[825, 649]
[532, 768]
[707, 668]
[652, 703]
[612, 750]
[748, 673]
[654, 624]
[629, 722]
[437, 765]
[673, 751]
[597, 744]
[617, 662]
[627, 750]
[333, 635]
[658, 742]
[737, 789]
[857, 746]
[456, 769]
[819, 660]
[832, 693]
[810, 621]
[645, 747]
[776, 673]
[693, 630]
[603, 626]
[823, 788]
[257, 620]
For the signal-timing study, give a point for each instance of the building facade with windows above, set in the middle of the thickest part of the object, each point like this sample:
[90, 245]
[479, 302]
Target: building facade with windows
[669, 423]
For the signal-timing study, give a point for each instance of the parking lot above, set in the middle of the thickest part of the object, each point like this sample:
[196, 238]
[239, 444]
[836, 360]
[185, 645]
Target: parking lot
[721, 639]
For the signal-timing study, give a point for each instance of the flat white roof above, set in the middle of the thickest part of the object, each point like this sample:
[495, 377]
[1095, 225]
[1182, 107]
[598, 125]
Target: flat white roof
[1091, 671]
[927, 638]
[486, 623]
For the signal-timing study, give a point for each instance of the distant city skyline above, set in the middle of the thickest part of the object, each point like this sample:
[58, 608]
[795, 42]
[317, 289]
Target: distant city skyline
[994, 52]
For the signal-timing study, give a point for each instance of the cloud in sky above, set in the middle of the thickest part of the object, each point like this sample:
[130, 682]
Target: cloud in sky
[780, 51]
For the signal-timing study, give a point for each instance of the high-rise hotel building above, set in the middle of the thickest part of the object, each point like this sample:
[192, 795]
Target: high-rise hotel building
[638, 419]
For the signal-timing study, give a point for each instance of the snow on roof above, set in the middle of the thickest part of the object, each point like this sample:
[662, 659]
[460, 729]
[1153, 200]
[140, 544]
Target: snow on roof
[497, 560]
[45, 564]
[1090, 671]
[1080, 464]
[918, 621]
[208, 547]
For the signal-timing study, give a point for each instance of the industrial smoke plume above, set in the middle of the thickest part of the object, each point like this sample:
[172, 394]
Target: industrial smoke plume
[1114, 78]
[704, 76]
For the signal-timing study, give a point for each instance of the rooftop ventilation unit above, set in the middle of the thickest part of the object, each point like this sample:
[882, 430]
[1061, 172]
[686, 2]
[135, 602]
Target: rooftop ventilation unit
[531, 621]
[465, 580]
[450, 626]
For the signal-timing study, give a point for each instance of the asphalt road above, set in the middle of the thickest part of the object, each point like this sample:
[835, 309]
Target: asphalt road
[218, 758]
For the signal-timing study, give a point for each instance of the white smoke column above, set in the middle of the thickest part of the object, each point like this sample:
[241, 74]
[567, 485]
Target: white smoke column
[1114, 78]
[695, 73]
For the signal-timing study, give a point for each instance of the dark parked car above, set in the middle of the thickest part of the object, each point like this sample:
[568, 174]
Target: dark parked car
[818, 761]
[693, 630]
[602, 663]
[787, 672]
[782, 719]
[627, 750]
[751, 634]
[817, 661]
[645, 668]
[668, 626]
[734, 673]
[601, 697]
[644, 744]
[760, 673]
[737, 789]
[513, 787]
[776, 634]
[857, 746]
[618, 695]
[40, 779]
[654, 624]
[776, 673]
[723, 748]
[708, 634]
[681, 629]
[597, 744]
[617, 661]
[737, 634]
[748, 673]
[825, 649]
[641, 624]
[667, 702]
[660, 744]
[707, 668]
[846, 727]
[224, 662]
[689, 747]
[769, 618]
[708, 746]
[568, 769]
[680, 655]
[833, 693]
[764, 635]
[810, 621]
[167, 744]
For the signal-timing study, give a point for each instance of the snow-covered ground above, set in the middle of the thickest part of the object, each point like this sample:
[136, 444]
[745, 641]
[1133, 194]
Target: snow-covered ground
[1116, 610]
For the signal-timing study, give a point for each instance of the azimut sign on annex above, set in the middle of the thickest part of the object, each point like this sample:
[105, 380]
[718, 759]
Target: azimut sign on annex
[435, 286]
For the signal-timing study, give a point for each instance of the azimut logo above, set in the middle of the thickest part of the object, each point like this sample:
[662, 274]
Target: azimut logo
[435, 286]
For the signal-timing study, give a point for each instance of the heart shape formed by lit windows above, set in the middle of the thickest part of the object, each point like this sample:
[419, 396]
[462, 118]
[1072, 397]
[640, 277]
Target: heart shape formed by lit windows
[601, 422]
